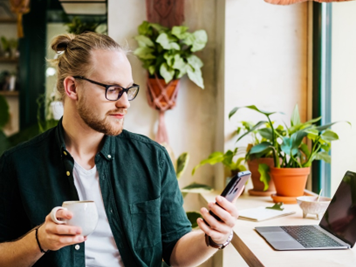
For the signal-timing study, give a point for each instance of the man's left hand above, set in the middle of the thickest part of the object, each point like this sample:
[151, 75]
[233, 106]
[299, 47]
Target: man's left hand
[219, 231]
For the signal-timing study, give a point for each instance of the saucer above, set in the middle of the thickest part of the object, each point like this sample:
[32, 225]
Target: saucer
[252, 192]
[285, 200]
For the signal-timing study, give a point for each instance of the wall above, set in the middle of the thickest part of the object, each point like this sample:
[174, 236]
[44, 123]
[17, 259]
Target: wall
[343, 85]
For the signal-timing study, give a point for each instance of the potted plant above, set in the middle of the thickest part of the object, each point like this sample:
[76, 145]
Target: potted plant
[291, 155]
[229, 159]
[257, 163]
[168, 54]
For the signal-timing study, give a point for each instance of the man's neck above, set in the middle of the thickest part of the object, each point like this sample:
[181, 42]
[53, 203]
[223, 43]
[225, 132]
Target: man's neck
[82, 142]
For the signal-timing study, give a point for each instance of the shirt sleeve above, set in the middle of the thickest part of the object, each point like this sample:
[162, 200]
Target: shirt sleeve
[174, 221]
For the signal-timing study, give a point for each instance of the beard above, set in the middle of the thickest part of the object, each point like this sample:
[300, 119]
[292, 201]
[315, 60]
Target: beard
[106, 125]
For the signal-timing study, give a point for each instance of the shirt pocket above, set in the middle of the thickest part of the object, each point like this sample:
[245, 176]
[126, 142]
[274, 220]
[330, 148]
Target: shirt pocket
[146, 223]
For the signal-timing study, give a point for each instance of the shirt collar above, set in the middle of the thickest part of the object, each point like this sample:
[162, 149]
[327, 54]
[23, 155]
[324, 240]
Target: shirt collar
[107, 151]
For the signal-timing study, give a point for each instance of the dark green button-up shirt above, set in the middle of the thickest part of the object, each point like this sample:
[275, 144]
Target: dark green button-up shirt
[138, 184]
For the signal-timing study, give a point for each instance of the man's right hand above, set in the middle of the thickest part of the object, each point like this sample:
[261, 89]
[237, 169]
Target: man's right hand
[54, 236]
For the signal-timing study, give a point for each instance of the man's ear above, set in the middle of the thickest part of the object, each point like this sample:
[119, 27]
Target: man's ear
[70, 88]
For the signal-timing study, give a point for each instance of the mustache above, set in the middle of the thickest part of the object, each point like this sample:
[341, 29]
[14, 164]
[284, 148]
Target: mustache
[120, 110]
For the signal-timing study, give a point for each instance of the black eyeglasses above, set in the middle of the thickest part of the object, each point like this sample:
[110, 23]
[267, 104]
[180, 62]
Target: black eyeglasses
[114, 92]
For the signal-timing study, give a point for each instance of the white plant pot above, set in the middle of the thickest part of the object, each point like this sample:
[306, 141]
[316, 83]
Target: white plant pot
[57, 109]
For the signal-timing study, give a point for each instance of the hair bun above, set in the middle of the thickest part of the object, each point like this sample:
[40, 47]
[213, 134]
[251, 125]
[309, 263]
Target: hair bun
[60, 42]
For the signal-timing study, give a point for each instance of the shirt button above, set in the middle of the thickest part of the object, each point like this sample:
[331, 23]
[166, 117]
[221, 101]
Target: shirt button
[65, 153]
[68, 173]
[109, 156]
[77, 247]
[111, 211]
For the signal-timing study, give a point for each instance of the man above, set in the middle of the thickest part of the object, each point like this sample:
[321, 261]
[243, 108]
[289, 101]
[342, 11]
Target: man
[89, 156]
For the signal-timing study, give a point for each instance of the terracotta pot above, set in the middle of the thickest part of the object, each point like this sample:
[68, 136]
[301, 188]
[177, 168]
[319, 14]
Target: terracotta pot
[290, 182]
[162, 96]
[258, 186]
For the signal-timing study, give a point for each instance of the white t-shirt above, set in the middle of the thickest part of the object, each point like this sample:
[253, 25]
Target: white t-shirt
[100, 247]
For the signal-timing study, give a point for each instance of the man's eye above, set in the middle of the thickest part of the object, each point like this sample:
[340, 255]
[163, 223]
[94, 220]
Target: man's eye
[114, 90]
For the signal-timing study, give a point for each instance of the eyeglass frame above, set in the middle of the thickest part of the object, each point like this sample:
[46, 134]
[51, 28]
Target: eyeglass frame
[108, 86]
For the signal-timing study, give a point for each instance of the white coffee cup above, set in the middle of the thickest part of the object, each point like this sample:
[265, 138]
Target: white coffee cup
[85, 215]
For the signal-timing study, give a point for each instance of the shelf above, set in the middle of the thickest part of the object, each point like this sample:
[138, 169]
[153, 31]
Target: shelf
[8, 60]
[8, 20]
[9, 93]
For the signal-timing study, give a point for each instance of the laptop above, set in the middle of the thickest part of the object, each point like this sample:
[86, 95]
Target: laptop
[336, 230]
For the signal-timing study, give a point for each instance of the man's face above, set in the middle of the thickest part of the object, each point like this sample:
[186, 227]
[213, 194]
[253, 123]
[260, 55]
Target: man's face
[100, 114]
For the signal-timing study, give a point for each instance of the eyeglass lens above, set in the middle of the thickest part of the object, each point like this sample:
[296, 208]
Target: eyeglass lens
[114, 93]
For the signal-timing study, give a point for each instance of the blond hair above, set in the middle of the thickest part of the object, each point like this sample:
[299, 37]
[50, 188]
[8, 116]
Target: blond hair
[74, 54]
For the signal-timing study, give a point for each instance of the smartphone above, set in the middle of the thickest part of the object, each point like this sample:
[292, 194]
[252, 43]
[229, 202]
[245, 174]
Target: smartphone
[234, 188]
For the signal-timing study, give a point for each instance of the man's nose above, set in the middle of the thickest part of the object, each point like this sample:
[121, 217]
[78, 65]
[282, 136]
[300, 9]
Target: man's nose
[123, 101]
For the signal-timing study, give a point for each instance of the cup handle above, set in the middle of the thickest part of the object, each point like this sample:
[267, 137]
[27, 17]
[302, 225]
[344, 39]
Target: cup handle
[54, 217]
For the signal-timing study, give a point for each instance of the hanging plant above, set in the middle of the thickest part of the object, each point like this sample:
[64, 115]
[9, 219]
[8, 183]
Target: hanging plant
[169, 52]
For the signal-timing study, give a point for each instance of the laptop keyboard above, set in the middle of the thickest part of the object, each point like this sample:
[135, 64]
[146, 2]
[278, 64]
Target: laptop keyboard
[309, 237]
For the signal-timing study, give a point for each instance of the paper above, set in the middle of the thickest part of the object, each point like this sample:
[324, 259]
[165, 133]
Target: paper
[261, 214]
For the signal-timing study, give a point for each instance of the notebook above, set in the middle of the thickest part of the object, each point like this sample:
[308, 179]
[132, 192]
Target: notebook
[336, 230]
[262, 214]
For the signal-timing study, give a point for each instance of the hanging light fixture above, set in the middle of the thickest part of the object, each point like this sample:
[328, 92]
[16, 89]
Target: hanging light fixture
[84, 7]
[289, 2]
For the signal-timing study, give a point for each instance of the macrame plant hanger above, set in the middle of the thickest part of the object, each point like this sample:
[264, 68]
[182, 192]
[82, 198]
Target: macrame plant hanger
[20, 7]
[161, 96]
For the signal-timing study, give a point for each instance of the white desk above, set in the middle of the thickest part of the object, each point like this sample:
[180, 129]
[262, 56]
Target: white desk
[257, 252]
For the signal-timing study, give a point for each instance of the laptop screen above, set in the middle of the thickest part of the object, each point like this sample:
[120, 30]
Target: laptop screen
[340, 217]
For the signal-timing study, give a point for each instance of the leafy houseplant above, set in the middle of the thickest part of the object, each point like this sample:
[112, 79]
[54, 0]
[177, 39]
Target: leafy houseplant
[227, 159]
[169, 53]
[288, 144]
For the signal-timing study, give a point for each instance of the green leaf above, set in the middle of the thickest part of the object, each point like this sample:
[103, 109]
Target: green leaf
[180, 31]
[322, 155]
[166, 42]
[196, 77]
[158, 27]
[253, 128]
[179, 63]
[169, 58]
[193, 217]
[195, 62]
[166, 72]
[144, 28]
[252, 107]
[329, 135]
[324, 127]
[200, 40]
[295, 119]
[152, 69]
[196, 188]
[263, 169]
[182, 163]
[212, 159]
[144, 53]
[262, 147]
[266, 133]
[304, 148]
[144, 41]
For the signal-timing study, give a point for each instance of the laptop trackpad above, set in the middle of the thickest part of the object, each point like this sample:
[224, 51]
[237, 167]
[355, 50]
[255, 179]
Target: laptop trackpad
[280, 240]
